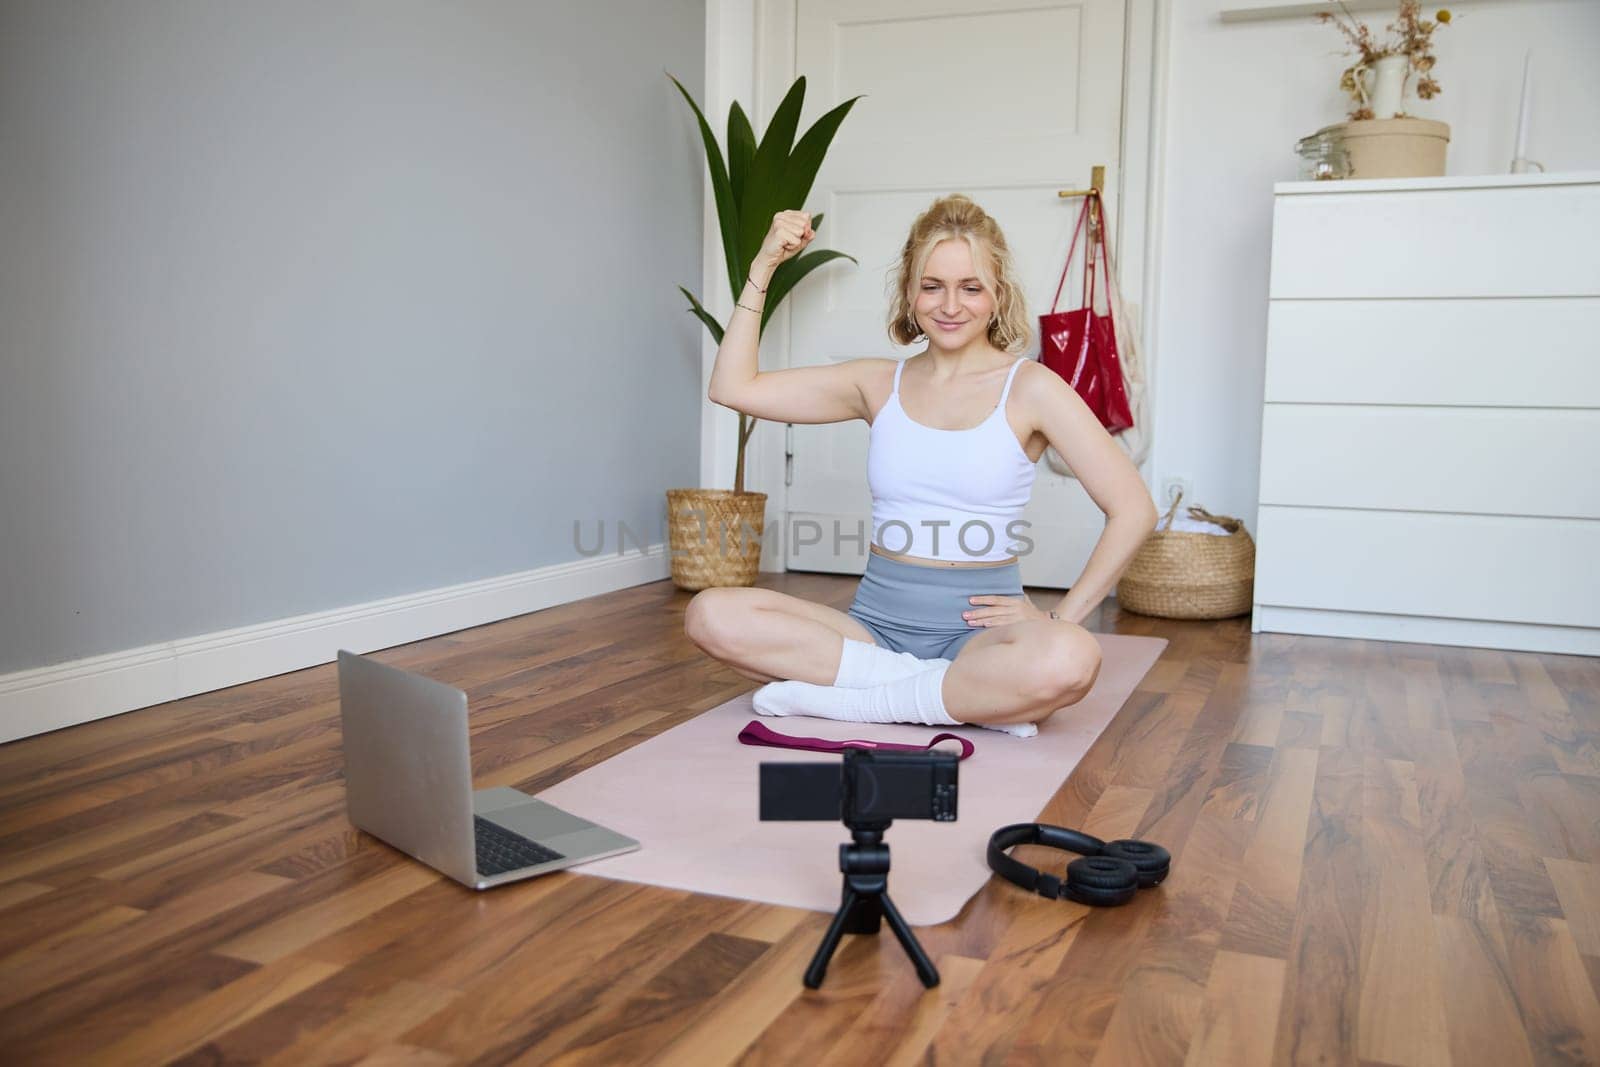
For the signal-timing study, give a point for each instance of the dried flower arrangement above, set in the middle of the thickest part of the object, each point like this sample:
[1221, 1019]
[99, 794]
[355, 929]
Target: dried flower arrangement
[1410, 36]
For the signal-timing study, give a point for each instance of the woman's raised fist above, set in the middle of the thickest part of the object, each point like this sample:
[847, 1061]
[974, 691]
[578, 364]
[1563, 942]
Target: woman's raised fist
[790, 233]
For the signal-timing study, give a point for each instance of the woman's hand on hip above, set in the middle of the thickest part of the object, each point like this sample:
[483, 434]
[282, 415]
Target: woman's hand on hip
[995, 610]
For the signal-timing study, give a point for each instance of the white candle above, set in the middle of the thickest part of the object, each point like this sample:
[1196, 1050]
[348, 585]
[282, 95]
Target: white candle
[1522, 116]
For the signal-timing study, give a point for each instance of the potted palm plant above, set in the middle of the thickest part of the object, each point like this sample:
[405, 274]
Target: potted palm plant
[715, 534]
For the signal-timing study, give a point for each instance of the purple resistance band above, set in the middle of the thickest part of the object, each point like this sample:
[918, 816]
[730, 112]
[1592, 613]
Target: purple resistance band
[758, 733]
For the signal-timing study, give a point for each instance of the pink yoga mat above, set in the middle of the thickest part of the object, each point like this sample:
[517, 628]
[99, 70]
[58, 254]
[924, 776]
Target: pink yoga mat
[689, 797]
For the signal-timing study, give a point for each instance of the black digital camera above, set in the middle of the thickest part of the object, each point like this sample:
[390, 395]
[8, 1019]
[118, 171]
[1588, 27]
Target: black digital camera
[867, 787]
[867, 791]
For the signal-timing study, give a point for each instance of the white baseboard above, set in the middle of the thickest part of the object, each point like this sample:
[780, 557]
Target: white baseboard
[48, 698]
[1428, 630]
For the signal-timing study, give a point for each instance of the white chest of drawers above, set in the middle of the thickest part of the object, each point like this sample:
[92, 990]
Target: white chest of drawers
[1430, 446]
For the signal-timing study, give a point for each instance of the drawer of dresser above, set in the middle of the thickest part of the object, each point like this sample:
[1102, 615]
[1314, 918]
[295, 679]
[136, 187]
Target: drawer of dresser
[1502, 461]
[1516, 352]
[1530, 241]
[1455, 566]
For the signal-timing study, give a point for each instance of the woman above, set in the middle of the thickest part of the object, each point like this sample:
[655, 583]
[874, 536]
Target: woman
[940, 631]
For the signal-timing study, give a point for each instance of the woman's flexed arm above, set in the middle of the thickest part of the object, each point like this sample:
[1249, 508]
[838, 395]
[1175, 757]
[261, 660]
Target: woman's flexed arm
[826, 393]
[737, 362]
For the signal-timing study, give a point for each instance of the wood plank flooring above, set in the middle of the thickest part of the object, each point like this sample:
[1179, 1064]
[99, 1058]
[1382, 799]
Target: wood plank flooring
[1385, 854]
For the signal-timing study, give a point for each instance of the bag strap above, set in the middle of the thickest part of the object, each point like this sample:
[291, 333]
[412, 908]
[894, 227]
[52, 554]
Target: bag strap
[1093, 203]
[1105, 255]
[1100, 237]
[759, 733]
[1073, 247]
[1097, 230]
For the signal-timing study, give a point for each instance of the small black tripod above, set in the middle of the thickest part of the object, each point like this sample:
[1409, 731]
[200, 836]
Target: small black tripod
[865, 903]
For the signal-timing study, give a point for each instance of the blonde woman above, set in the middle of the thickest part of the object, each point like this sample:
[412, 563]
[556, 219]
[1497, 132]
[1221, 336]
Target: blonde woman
[940, 631]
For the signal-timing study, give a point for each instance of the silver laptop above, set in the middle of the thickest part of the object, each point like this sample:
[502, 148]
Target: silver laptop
[408, 779]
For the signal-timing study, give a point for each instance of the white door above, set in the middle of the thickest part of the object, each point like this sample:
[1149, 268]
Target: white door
[1030, 94]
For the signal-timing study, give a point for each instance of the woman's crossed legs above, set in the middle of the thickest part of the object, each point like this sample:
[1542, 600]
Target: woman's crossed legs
[1017, 673]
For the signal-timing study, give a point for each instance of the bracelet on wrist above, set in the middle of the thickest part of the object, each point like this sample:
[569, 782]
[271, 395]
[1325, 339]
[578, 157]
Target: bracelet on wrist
[747, 307]
[752, 281]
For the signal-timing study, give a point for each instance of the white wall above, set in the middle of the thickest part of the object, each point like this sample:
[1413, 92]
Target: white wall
[1239, 95]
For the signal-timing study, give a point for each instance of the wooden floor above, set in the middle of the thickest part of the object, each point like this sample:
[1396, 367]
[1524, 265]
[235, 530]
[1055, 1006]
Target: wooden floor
[1385, 854]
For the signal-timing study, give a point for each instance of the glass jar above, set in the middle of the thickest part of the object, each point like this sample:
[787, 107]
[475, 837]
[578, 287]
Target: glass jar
[1323, 156]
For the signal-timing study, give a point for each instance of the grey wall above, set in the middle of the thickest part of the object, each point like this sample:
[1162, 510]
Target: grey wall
[309, 304]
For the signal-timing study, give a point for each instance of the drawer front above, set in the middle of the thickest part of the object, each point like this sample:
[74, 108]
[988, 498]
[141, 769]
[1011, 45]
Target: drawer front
[1513, 352]
[1484, 567]
[1506, 241]
[1497, 461]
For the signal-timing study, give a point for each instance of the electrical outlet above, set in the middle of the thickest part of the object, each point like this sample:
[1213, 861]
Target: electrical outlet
[1171, 486]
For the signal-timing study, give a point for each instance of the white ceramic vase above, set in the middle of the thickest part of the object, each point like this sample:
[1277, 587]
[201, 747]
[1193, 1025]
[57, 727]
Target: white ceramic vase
[1387, 87]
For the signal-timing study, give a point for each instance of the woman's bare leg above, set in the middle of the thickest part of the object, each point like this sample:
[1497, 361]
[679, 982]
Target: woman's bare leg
[770, 636]
[1023, 672]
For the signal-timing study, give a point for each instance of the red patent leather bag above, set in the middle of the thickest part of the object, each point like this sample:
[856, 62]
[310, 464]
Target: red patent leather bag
[1081, 345]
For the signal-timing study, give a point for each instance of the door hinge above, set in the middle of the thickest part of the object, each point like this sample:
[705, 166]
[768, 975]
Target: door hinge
[788, 453]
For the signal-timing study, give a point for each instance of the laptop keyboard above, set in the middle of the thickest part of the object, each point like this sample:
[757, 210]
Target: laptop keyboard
[500, 850]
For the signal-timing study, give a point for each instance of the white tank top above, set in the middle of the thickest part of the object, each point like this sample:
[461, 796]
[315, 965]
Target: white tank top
[947, 494]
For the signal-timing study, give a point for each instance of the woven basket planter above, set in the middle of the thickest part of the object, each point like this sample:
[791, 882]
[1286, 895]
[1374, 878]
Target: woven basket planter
[714, 536]
[1181, 575]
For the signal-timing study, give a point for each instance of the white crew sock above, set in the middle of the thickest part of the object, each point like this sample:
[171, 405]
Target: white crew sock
[915, 698]
[862, 666]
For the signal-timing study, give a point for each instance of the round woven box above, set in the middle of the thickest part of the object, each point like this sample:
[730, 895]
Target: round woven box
[1181, 575]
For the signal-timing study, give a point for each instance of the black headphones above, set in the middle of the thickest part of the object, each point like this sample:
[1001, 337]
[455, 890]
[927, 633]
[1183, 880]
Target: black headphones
[1107, 875]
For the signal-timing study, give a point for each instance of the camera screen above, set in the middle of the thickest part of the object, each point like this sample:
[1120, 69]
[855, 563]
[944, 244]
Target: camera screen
[807, 791]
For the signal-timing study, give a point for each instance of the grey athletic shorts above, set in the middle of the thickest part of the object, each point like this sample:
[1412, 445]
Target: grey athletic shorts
[911, 608]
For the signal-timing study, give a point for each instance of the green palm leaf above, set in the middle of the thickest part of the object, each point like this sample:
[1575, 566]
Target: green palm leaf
[741, 149]
[722, 189]
[787, 276]
[806, 159]
[705, 316]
